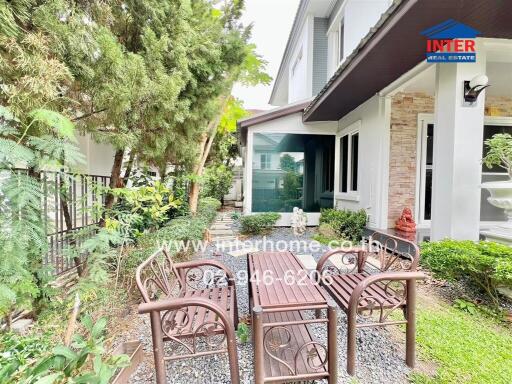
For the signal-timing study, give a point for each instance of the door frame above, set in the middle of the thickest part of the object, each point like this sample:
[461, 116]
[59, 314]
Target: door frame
[424, 119]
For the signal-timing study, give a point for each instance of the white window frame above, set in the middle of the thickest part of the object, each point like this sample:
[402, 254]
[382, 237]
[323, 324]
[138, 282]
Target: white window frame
[423, 120]
[340, 38]
[297, 60]
[349, 131]
[267, 162]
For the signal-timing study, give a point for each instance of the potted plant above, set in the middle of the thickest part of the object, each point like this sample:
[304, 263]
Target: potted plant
[500, 154]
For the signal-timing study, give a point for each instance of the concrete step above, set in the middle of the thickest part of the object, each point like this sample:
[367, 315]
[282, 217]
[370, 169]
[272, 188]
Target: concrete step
[216, 227]
[223, 238]
[220, 232]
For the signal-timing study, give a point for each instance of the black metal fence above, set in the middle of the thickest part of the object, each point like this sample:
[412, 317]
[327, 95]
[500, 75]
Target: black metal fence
[71, 204]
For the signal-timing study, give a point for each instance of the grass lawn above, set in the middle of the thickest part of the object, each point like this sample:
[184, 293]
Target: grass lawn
[467, 348]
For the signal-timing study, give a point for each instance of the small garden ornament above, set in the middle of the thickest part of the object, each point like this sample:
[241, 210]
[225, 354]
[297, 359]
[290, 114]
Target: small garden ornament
[299, 221]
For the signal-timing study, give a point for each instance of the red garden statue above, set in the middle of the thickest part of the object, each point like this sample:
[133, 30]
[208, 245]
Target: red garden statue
[406, 222]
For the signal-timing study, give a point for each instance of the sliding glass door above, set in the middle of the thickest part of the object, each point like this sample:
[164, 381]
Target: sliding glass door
[292, 170]
[426, 163]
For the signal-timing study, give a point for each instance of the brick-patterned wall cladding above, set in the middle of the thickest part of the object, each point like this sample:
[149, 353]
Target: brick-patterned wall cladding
[403, 140]
[402, 157]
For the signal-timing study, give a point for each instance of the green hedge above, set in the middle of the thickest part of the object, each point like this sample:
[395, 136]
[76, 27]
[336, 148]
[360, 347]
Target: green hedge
[348, 225]
[258, 223]
[185, 228]
[485, 265]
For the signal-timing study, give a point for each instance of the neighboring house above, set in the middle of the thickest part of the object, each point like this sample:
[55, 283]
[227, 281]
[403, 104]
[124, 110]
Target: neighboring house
[98, 157]
[378, 127]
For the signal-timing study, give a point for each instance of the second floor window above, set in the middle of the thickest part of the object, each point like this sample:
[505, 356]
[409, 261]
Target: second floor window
[341, 38]
[349, 162]
[265, 161]
[297, 61]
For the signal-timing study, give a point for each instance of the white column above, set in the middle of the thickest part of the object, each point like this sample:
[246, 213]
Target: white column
[458, 136]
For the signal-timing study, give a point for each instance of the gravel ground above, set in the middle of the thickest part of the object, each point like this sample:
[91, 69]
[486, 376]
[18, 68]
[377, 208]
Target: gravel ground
[380, 359]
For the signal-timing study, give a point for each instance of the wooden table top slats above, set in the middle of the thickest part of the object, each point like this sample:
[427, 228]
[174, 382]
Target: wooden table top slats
[303, 292]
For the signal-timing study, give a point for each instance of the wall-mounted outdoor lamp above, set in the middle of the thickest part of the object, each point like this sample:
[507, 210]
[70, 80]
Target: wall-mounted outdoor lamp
[473, 88]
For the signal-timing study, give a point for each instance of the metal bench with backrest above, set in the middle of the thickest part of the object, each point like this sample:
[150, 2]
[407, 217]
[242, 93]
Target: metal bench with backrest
[193, 310]
[377, 278]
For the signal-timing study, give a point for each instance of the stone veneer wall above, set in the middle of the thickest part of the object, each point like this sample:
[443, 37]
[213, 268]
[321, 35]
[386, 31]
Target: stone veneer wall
[403, 141]
[402, 158]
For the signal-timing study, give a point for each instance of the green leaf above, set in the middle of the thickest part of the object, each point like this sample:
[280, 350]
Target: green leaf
[50, 379]
[68, 353]
[59, 123]
[99, 327]
[6, 113]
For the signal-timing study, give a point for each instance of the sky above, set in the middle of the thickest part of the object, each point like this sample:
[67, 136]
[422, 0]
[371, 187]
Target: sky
[272, 21]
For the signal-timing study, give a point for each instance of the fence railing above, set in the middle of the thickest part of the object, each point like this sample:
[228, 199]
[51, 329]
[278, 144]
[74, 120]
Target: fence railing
[70, 205]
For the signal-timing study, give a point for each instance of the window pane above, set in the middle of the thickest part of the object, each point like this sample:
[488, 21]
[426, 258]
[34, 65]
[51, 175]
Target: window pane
[287, 172]
[489, 132]
[355, 159]
[341, 39]
[344, 163]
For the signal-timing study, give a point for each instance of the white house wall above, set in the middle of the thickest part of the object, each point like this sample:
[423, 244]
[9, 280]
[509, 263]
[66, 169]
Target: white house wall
[357, 16]
[300, 77]
[98, 157]
[372, 120]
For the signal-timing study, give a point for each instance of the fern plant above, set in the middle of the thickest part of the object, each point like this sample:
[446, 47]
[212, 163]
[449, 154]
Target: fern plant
[25, 151]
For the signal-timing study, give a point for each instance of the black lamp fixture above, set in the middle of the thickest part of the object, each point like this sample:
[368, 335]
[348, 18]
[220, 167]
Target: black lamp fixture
[474, 87]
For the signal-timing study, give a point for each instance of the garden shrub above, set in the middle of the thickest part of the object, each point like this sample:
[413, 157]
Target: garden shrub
[348, 225]
[217, 181]
[185, 228]
[485, 265]
[258, 223]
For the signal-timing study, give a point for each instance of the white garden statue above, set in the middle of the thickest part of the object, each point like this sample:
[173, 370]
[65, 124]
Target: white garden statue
[299, 221]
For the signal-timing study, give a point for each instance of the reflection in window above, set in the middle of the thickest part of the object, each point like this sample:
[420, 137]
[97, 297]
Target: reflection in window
[286, 168]
[265, 159]
[489, 212]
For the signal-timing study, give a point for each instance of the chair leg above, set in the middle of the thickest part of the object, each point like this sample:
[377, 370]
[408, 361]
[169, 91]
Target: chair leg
[233, 357]
[351, 342]
[332, 349]
[410, 330]
[158, 347]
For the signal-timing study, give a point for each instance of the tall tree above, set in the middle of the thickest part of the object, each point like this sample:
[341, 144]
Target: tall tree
[242, 64]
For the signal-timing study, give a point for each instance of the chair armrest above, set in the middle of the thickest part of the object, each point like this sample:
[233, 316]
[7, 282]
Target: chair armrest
[409, 277]
[175, 304]
[205, 263]
[358, 253]
[183, 267]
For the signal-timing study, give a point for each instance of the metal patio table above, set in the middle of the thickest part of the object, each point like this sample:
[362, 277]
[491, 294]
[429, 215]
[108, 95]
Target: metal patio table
[281, 293]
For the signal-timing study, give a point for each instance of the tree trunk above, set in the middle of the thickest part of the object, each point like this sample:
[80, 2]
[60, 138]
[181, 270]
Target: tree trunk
[115, 179]
[129, 167]
[206, 146]
[193, 195]
[69, 223]
[163, 171]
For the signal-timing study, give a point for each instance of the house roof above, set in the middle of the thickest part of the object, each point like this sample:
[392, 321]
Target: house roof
[395, 46]
[269, 115]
